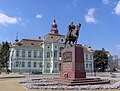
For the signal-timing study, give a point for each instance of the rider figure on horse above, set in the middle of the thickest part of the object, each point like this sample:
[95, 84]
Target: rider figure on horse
[72, 34]
[71, 27]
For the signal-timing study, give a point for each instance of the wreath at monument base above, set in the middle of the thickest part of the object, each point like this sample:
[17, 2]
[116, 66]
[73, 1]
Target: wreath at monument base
[65, 75]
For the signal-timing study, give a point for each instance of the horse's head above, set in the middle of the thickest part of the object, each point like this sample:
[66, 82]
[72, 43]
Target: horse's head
[75, 33]
[78, 26]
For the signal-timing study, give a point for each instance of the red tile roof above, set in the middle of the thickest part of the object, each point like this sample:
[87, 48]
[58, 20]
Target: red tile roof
[30, 39]
[55, 34]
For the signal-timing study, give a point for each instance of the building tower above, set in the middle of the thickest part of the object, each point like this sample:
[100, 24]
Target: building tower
[54, 29]
[16, 43]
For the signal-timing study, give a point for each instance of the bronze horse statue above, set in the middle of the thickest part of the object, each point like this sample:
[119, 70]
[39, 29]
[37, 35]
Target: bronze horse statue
[72, 34]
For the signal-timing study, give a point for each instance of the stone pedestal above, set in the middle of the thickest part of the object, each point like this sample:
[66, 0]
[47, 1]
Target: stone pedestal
[72, 63]
[72, 69]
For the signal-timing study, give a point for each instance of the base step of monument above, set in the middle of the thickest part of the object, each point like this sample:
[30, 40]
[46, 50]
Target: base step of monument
[81, 81]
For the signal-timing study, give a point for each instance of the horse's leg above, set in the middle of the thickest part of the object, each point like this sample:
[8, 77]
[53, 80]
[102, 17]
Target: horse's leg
[70, 43]
[73, 42]
[76, 41]
[65, 42]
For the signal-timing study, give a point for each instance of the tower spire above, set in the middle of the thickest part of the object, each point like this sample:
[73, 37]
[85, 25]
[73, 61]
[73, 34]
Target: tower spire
[16, 43]
[16, 37]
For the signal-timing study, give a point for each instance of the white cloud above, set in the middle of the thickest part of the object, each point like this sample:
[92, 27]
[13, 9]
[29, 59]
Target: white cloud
[118, 47]
[90, 16]
[19, 19]
[4, 19]
[106, 1]
[39, 16]
[116, 10]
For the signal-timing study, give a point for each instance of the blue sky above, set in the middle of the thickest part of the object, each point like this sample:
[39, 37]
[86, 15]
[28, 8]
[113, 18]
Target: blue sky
[100, 20]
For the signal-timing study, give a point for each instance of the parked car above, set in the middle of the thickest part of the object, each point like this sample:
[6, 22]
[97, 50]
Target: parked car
[36, 72]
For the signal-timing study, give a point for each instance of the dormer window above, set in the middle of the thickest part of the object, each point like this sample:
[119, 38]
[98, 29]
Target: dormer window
[51, 36]
[61, 40]
[31, 43]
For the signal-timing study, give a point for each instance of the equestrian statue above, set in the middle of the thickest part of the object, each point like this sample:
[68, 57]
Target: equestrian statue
[72, 34]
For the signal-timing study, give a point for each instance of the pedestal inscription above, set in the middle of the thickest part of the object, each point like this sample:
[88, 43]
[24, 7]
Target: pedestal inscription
[67, 66]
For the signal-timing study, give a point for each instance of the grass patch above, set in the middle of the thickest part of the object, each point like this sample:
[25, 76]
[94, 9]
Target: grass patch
[3, 76]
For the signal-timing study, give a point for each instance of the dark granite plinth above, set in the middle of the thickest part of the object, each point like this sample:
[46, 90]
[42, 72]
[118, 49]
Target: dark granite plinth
[72, 70]
[72, 63]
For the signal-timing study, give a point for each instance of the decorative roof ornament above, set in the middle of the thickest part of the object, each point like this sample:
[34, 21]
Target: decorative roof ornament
[54, 24]
[16, 43]
[54, 29]
[16, 40]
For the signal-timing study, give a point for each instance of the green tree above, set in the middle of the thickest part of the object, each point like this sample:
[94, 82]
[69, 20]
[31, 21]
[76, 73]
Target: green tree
[4, 55]
[100, 60]
[1, 61]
